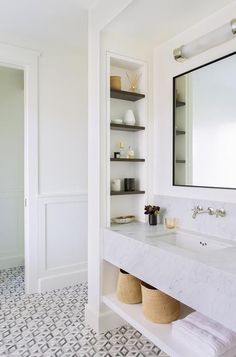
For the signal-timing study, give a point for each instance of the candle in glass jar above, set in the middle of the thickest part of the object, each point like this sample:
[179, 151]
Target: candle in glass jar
[116, 185]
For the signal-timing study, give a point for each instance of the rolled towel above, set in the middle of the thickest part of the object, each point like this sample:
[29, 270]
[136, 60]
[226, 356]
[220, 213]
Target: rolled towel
[230, 353]
[201, 341]
[227, 336]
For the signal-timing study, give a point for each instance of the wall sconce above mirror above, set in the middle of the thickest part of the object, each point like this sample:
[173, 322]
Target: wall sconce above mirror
[204, 122]
[211, 39]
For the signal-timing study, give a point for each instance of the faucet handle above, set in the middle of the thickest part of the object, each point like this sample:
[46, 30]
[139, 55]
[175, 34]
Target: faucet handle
[196, 209]
[199, 208]
[220, 212]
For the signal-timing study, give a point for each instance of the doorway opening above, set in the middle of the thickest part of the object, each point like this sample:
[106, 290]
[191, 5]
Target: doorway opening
[12, 170]
[25, 63]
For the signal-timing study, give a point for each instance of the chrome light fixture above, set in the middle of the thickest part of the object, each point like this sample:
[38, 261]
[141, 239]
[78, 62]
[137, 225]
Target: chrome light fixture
[212, 39]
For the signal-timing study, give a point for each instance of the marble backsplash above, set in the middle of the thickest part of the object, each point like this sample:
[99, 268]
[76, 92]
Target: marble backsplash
[181, 208]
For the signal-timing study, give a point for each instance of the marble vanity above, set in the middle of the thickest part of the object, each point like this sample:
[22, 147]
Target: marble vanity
[203, 279]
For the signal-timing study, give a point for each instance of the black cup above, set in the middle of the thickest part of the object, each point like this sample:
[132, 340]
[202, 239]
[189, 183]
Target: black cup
[129, 184]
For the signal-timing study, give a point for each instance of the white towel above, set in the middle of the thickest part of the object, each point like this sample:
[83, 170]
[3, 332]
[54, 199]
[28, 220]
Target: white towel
[229, 353]
[227, 336]
[199, 340]
[207, 337]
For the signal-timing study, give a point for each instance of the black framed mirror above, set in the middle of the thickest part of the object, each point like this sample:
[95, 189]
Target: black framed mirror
[204, 125]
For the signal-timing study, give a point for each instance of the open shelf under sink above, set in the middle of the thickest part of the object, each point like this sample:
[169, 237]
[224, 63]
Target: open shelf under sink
[159, 334]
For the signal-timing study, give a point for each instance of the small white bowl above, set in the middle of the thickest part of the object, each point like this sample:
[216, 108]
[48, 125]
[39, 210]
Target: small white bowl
[123, 219]
[117, 121]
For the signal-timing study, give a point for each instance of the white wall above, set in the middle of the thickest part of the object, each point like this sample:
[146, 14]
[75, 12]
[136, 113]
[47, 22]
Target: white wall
[62, 199]
[178, 201]
[62, 240]
[63, 121]
[62, 167]
[11, 167]
[99, 15]
[165, 69]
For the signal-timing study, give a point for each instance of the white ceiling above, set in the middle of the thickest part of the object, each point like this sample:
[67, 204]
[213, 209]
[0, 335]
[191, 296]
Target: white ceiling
[52, 22]
[159, 20]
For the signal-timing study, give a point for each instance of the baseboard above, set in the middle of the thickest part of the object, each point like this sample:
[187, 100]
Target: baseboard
[102, 322]
[11, 262]
[60, 281]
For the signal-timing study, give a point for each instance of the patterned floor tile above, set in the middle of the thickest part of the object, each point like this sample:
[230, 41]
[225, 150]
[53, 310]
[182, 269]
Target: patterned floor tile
[53, 325]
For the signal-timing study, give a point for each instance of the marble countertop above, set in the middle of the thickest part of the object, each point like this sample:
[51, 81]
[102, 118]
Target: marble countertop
[222, 259]
[204, 281]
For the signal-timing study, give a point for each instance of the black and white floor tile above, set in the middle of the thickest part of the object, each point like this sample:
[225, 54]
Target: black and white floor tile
[53, 325]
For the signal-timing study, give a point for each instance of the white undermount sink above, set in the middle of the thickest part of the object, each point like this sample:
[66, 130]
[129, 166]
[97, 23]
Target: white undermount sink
[192, 241]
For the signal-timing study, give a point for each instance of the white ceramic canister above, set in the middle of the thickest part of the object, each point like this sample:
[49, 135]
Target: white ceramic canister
[129, 118]
[116, 185]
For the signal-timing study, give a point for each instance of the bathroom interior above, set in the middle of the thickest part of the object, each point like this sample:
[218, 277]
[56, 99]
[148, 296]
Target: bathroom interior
[167, 150]
[117, 228]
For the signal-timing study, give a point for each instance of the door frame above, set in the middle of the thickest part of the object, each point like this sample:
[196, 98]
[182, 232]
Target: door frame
[27, 60]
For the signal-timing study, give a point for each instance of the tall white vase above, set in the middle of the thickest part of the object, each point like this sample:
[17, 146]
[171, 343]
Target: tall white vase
[129, 118]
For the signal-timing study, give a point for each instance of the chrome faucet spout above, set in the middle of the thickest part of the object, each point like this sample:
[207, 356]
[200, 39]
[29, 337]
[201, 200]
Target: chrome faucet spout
[211, 211]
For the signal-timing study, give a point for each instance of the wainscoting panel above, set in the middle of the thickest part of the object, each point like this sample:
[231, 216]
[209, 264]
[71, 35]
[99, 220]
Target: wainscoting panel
[11, 230]
[62, 241]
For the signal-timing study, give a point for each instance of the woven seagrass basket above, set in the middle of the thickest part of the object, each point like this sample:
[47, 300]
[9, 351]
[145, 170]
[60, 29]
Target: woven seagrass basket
[128, 288]
[157, 306]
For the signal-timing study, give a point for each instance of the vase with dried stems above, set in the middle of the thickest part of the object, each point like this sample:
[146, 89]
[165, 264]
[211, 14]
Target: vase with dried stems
[133, 81]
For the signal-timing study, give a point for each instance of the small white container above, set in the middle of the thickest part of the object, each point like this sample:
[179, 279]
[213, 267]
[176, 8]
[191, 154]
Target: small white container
[116, 185]
[117, 121]
[129, 118]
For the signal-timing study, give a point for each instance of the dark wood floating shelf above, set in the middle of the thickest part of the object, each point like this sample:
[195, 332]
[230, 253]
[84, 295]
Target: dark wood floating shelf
[121, 193]
[123, 127]
[180, 132]
[124, 95]
[180, 161]
[127, 160]
[180, 104]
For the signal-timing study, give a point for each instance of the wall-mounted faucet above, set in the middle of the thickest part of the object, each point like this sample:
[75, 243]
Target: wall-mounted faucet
[218, 212]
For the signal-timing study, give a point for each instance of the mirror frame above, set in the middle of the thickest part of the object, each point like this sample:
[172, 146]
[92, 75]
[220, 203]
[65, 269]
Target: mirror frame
[174, 122]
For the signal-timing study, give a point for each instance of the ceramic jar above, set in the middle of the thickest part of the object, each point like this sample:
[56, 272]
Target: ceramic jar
[129, 118]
